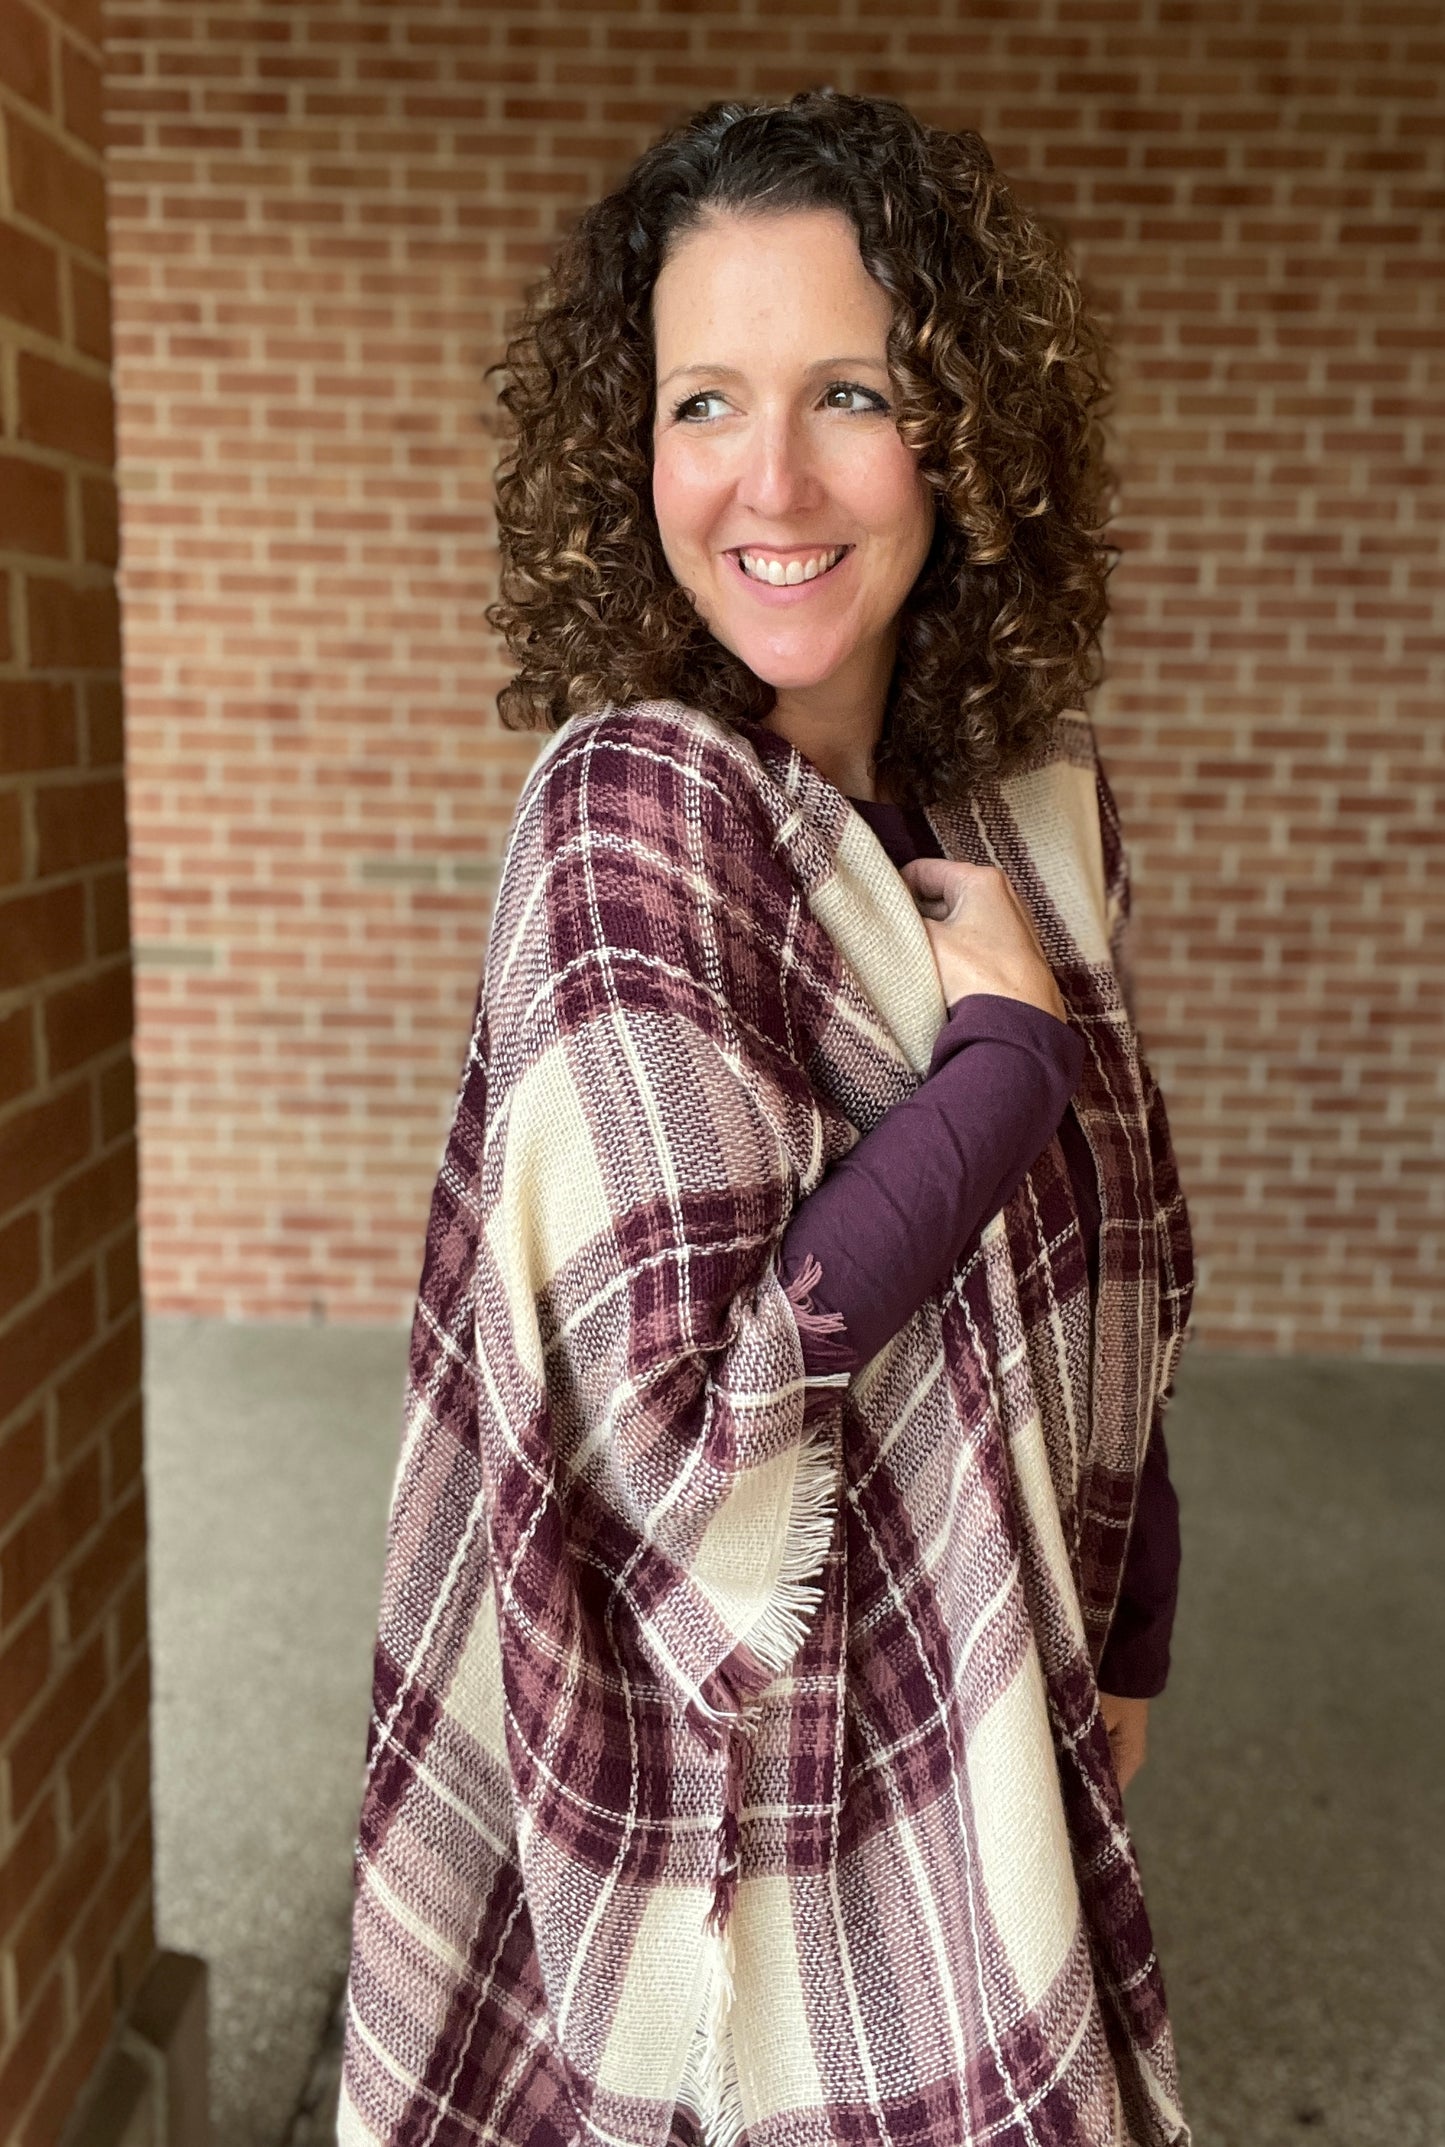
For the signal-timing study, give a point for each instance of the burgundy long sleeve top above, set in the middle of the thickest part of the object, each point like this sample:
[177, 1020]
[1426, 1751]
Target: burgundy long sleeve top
[892, 1218]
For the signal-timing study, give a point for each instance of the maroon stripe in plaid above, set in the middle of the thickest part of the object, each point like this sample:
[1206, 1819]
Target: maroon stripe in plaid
[653, 1640]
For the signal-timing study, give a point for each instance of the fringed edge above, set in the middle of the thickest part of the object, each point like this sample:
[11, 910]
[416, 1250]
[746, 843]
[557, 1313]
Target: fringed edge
[827, 1331]
[729, 1831]
[783, 1625]
[710, 2076]
[710, 2079]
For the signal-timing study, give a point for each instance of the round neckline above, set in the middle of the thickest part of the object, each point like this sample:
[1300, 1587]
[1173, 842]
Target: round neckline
[880, 805]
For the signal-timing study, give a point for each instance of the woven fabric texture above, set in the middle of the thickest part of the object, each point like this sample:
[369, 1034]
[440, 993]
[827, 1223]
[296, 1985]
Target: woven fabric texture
[736, 1774]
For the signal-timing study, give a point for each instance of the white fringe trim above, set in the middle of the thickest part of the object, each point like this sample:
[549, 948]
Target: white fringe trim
[783, 1626]
[710, 2077]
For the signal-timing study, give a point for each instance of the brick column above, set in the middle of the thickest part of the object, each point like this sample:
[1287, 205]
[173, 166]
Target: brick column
[75, 1852]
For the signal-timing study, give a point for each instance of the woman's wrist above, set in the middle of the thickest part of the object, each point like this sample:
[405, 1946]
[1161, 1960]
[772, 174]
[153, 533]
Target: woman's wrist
[1058, 1013]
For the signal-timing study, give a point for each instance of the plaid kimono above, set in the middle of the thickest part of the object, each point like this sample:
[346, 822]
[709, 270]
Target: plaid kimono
[736, 1775]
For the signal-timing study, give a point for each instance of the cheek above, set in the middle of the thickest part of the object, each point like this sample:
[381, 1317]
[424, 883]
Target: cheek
[890, 498]
[680, 498]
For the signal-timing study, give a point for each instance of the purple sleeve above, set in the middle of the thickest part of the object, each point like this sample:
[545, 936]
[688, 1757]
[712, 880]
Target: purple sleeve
[887, 1225]
[1135, 1661]
[892, 1217]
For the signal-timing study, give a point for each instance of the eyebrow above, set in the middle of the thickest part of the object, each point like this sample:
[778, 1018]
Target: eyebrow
[731, 372]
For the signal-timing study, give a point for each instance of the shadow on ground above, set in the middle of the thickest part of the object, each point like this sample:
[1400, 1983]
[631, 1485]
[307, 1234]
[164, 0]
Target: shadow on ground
[1291, 1820]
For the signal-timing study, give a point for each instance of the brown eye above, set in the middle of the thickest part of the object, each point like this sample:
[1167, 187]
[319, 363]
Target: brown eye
[870, 402]
[680, 412]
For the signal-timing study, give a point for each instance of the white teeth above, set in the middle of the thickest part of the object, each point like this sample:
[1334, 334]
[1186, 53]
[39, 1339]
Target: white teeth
[761, 568]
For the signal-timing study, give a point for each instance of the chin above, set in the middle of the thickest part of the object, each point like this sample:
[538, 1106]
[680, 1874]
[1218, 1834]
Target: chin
[794, 671]
[783, 678]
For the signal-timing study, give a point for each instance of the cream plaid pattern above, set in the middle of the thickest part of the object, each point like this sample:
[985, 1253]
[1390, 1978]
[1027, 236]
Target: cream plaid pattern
[736, 1776]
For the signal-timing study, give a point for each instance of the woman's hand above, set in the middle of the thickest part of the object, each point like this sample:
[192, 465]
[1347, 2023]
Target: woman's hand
[981, 934]
[1127, 1722]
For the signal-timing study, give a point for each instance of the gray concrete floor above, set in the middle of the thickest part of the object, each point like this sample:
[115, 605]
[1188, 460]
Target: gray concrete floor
[270, 1453]
[1291, 1824]
[1291, 1819]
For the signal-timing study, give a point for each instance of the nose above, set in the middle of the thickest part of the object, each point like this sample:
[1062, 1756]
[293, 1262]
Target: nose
[778, 479]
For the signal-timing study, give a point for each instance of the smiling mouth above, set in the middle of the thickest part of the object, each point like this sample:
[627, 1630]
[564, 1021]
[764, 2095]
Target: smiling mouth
[777, 572]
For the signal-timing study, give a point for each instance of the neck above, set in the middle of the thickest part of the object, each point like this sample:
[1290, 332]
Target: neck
[837, 724]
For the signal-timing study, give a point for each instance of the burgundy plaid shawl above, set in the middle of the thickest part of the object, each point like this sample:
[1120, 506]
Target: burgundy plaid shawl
[736, 1773]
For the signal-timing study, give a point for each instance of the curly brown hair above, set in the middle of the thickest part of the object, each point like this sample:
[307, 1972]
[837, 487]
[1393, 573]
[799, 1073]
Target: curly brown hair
[1001, 378]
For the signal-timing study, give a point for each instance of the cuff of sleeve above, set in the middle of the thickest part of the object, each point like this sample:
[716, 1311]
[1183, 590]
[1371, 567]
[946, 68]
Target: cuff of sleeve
[1133, 1672]
[1135, 1661]
[993, 1017]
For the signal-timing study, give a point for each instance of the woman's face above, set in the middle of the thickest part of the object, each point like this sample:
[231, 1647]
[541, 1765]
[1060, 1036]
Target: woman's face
[786, 500]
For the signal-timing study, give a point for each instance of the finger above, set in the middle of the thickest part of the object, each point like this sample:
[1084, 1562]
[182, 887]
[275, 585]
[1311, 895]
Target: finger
[938, 874]
[928, 876]
[939, 892]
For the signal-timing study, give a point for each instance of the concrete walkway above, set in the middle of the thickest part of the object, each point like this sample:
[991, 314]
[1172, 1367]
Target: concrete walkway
[1291, 1820]
[270, 1453]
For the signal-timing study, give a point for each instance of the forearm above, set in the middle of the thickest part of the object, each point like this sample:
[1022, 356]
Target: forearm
[892, 1218]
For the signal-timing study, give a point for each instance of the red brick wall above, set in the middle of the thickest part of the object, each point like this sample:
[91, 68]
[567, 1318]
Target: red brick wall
[322, 216]
[75, 1904]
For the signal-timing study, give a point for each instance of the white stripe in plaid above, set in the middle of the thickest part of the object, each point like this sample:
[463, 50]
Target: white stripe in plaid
[736, 1779]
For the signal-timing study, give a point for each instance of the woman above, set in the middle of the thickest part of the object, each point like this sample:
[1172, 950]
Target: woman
[807, 1269]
